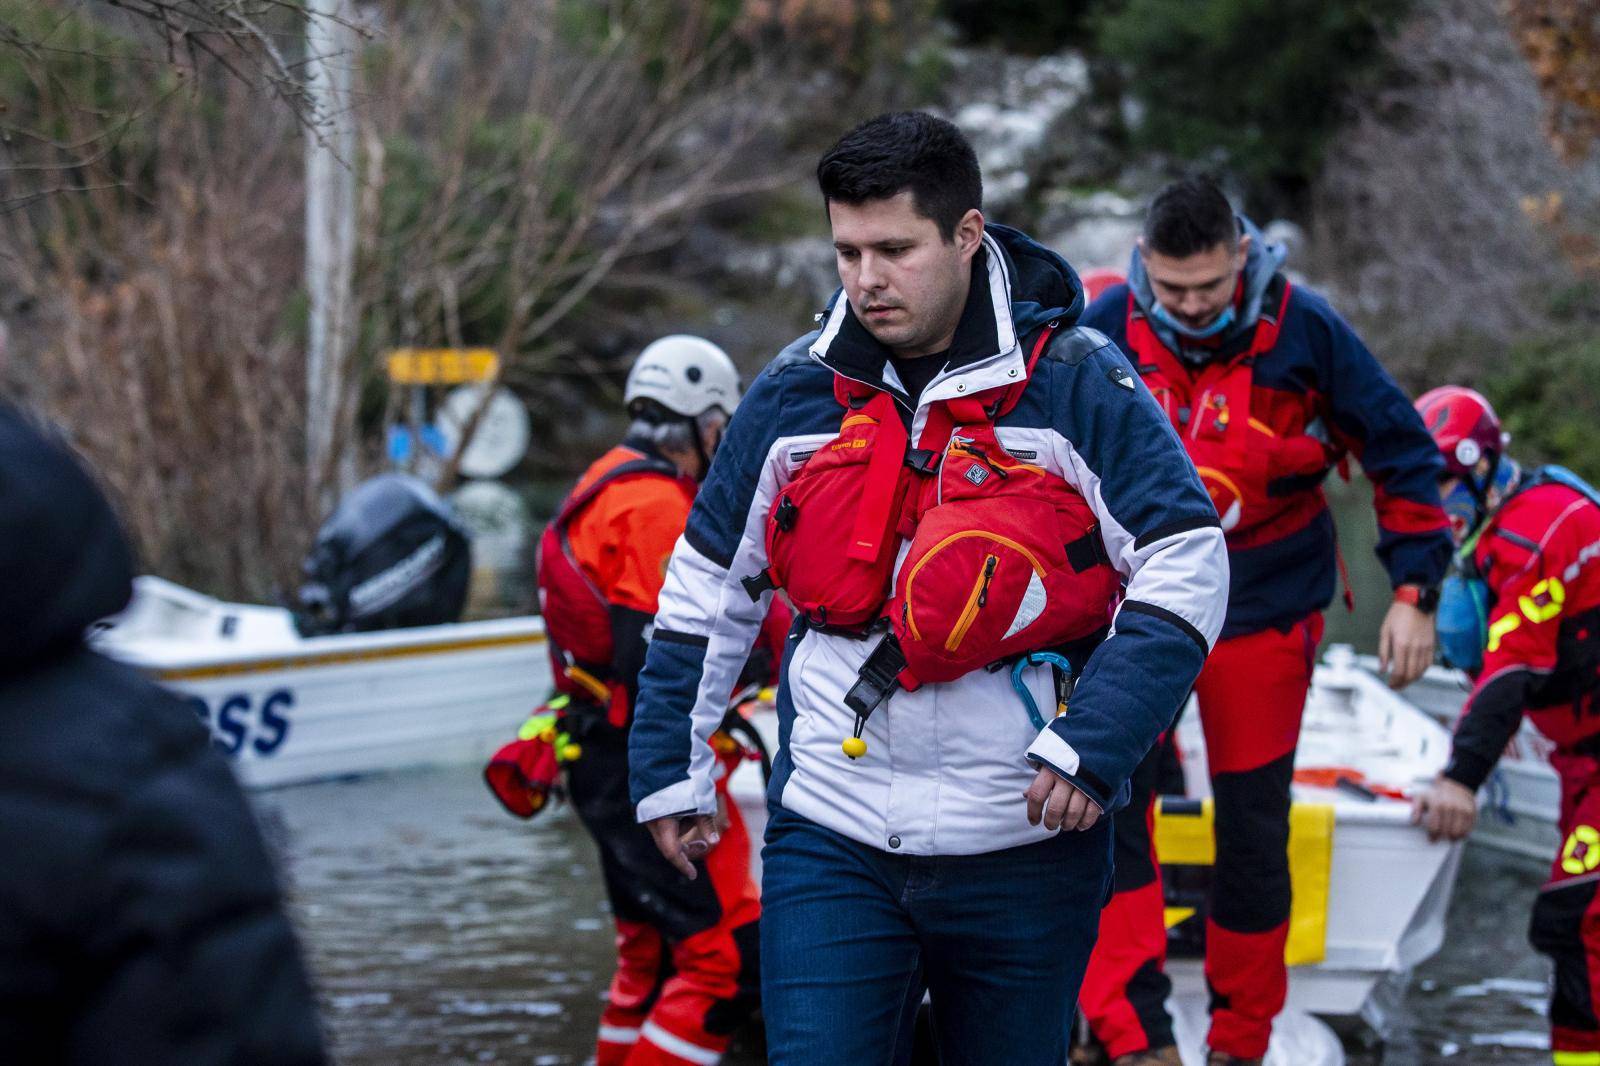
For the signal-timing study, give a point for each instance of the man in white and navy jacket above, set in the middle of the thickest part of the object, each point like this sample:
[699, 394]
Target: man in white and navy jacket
[968, 855]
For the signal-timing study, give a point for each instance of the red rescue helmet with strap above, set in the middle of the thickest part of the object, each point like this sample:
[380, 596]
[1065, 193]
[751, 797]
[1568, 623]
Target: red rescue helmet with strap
[1464, 426]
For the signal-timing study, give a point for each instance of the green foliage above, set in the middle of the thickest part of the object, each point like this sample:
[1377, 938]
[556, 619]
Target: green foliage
[1260, 82]
[780, 215]
[591, 27]
[1545, 393]
[416, 181]
[68, 78]
[927, 72]
[1024, 26]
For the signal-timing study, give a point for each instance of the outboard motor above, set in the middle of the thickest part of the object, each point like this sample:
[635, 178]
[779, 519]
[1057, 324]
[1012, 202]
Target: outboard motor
[391, 555]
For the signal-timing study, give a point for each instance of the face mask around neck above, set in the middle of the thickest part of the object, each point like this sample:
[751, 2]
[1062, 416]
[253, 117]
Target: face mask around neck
[1218, 325]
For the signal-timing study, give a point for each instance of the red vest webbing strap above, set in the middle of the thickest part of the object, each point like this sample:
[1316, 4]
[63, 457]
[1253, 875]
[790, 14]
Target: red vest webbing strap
[883, 474]
[971, 410]
[885, 467]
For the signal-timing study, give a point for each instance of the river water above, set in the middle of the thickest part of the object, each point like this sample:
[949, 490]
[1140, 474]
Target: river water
[441, 930]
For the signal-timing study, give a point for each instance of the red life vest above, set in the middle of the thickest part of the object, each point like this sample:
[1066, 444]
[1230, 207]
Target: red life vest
[1237, 455]
[1004, 558]
[577, 619]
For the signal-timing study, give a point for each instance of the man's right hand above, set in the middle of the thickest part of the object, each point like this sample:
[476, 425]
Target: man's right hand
[1445, 809]
[683, 840]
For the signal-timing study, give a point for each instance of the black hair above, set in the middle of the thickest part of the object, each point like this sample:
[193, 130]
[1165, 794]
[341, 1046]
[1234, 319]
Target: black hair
[1189, 216]
[900, 151]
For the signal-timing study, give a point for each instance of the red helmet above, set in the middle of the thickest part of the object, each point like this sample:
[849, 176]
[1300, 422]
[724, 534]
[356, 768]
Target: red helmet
[1098, 280]
[1463, 425]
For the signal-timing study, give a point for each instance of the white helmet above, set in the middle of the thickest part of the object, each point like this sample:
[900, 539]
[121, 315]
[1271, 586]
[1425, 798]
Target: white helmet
[686, 375]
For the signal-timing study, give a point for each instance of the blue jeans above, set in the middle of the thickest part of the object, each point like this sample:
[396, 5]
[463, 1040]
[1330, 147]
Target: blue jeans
[851, 936]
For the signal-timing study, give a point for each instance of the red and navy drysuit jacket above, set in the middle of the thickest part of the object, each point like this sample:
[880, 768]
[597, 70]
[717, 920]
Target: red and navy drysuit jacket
[1539, 555]
[949, 762]
[1310, 393]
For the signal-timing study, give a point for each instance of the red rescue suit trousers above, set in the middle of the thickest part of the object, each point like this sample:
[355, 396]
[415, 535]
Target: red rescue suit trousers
[688, 952]
[1566, 916]
[1252, 694]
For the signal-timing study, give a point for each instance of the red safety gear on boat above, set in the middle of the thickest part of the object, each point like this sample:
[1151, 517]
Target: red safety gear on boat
[1238, 456]
[1004, 558]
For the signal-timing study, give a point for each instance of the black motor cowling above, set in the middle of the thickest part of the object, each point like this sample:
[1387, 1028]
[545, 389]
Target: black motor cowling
[391, 555]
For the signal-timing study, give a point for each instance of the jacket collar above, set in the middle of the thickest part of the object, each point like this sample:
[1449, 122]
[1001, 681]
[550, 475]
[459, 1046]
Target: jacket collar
[986, 352]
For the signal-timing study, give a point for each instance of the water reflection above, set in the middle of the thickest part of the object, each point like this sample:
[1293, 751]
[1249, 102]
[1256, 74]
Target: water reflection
[442, 931]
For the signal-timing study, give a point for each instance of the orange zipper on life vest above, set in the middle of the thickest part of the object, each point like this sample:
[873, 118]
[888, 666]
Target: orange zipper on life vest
[975, 600]
[1033, 561]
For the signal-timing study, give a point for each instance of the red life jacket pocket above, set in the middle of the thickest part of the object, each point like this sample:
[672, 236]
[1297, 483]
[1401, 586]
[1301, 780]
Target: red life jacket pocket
[829, 538]
[1008, 560]
[1240, 480]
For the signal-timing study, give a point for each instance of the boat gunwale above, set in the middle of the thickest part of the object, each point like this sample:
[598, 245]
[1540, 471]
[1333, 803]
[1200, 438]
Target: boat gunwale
[339, 649]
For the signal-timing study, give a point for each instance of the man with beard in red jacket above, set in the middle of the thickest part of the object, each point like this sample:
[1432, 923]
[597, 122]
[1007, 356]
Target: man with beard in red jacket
[1269, 390]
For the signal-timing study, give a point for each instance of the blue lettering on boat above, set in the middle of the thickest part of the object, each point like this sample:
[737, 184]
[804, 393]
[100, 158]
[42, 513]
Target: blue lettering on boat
[239, 720]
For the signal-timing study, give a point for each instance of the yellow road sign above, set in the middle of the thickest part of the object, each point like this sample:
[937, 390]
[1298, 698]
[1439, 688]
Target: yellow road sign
[442, 366]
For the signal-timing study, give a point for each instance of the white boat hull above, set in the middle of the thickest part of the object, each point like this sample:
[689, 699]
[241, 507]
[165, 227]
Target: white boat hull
[1389, 888]
[1522, 798]
[287, 709]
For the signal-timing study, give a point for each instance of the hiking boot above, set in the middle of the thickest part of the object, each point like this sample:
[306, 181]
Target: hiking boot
[1156, 1056]
[1222, 1058]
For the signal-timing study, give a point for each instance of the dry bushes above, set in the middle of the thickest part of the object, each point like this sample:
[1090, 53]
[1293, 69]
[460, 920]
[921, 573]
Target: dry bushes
[1561, 41]
[1428, 213]
[509, 159]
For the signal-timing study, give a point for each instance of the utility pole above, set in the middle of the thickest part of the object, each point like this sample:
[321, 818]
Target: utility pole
[331, 52]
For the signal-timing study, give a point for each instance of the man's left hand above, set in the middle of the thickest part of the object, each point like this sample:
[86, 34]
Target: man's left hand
[1058, 804]
[1405, 644]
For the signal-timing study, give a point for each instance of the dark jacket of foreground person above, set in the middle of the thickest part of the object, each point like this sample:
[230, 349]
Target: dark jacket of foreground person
[140, 921]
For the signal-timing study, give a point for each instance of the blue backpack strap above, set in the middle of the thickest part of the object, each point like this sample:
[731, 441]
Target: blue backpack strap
[1560, 475]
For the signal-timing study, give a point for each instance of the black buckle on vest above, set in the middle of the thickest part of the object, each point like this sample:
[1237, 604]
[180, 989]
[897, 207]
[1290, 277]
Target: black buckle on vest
[1087, 552]
[877, 681]
[757, 585]
[786, 514]
[922, 460]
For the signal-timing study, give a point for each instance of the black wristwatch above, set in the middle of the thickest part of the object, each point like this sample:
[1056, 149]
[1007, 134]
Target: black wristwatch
[1423, 598]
